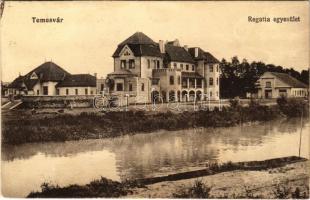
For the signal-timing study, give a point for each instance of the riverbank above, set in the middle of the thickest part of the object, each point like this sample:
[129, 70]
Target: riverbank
[275, 178]
[23, 127]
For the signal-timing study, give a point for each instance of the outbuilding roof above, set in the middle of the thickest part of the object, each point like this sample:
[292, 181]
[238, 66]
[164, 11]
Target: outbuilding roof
[289, 80]
[17, 83]
[78, 80]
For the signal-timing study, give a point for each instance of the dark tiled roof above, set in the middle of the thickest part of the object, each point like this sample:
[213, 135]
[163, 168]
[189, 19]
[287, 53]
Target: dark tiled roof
[177, 54]
[78, 80]
[140, 44]
[289, 80]
[17, 83]
[48, 71]
[30, 83]
[202, 55]
[138, 38]
[140, 50]
[191, 75]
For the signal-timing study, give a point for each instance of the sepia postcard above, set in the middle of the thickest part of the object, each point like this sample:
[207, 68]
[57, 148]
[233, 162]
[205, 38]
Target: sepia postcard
[155, 99]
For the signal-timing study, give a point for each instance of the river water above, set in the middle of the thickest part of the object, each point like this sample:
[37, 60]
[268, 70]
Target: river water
[25, 167]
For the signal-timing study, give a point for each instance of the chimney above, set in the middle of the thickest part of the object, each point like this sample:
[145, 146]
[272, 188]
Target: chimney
[186, 47]
[176, 43]
[196, 52]
[95, 75]
[161, 46]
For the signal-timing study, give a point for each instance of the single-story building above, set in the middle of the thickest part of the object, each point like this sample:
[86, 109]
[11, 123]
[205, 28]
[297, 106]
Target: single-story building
[49, 79]
[274, 85]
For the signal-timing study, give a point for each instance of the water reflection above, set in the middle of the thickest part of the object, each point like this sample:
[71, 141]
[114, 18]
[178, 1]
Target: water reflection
[25, 167]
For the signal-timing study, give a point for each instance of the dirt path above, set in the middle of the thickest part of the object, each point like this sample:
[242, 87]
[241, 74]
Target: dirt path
[239, 184]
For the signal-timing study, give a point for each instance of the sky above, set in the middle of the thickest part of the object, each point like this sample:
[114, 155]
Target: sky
[91, 31]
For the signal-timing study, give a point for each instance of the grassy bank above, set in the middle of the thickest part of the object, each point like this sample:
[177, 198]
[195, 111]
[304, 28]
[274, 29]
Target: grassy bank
[24, 128]
[61, 127]
[109, 188]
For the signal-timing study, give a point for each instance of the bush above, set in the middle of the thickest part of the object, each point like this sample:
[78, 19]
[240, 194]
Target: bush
[293, 107]
[197, 191]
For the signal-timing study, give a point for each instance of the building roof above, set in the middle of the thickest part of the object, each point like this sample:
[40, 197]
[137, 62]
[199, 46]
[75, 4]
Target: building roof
[191, 75]
[178, 54]
[140, 50]
[140, 45]
[48, 71]
[289, 80]
[138, 38]
[78, 80]
[17, 83]
[203, 55]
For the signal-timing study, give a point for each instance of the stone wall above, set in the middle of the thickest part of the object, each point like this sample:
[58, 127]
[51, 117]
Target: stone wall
[77, 101]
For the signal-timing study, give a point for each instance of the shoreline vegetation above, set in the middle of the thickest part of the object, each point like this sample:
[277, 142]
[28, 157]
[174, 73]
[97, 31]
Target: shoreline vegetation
[27, 128]
[108, 188]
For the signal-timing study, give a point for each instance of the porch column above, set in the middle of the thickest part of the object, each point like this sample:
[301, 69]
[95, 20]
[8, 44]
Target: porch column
[195, 83]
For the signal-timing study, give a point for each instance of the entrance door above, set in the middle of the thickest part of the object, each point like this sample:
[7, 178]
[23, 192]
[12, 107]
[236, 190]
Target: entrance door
[268, 94]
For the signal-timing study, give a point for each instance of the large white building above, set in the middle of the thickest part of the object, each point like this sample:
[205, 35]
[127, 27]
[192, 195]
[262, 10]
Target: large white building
[146, 70]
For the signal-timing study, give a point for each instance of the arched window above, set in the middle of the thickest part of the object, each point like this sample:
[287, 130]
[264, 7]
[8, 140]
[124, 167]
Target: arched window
[171, 78]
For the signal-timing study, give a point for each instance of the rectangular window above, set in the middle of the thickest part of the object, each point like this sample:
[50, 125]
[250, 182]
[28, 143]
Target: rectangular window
[211, 68]
[148, 63]
[217, 81]
[91, 92]
[119, 87]
[45, 90]
[193, 67]
[182, 66]
[38, 92]
[171, 80]
[158, 64]
[199, 83]
[57, 91]
[187, 67]
[76, 92]
[179, 80]
[217, 68]
[210, 94]
[86, 91]
[142, 86]
[123, 64]
[67, 91]
[102, 87]
[154, 64]
[268, 84]
[175, 65]
[130, 87]
[211, 81]
[131, 64]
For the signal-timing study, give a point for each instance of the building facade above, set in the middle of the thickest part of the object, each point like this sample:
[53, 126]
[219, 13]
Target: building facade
[148, 71]
[274, 85]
